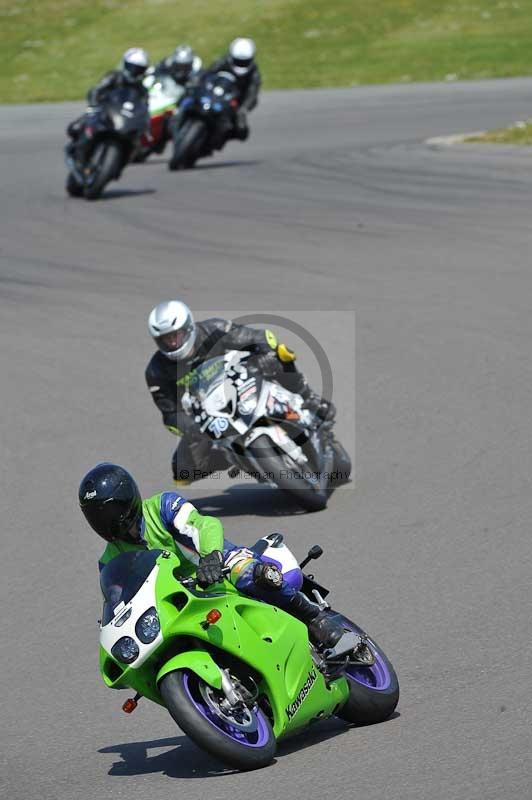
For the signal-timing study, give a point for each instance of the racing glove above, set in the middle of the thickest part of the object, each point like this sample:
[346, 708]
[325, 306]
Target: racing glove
[210, 569]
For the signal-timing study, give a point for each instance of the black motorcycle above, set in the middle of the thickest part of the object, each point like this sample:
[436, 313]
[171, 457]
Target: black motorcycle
[205, 119]
[109, 138]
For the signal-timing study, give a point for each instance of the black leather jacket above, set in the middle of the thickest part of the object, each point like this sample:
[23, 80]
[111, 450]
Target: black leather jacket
[113, 80]
[167, 379]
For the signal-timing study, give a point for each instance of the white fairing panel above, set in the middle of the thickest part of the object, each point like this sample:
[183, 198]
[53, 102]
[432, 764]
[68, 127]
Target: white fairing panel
[141, 602]
[284, 556]
[279, 436]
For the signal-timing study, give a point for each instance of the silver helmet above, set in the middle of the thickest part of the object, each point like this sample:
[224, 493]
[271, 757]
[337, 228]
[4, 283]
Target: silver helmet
[172, 326]
[135, 62]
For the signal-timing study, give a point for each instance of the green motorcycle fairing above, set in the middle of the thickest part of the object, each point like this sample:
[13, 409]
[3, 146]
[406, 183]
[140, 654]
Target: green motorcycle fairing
[271, 642]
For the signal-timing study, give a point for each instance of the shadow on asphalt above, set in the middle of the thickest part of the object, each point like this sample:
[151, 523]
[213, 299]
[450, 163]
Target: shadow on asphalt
[223, 164]
[248, 499]
[182, 759]
[202, 165]
[114, 194]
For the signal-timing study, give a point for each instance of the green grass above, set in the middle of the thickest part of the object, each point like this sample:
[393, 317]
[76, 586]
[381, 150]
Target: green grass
[54, 49]
[519, 133]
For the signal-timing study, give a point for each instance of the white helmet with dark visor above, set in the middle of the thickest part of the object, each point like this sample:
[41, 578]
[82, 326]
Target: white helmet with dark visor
[241, 55]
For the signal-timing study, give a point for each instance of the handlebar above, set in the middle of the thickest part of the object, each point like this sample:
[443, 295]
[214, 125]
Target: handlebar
[191, 583]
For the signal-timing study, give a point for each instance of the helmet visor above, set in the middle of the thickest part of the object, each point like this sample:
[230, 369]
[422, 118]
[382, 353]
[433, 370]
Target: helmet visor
[134, 71]
[181, 71]
[170, 342]
[242, 63]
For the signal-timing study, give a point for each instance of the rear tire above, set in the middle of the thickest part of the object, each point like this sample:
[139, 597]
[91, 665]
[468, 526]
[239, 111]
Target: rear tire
[309, 495]
[109, 168]
[373, 691]
[184, 695]
[73, 188]
[188, 145]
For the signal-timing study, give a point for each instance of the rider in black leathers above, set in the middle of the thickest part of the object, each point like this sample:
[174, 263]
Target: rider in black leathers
[166, 377]
[131, 73]
[240, 62]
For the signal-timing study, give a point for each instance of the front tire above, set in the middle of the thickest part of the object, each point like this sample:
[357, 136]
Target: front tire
[188, 145]
[309, 494]
[244, 743]
[107, 169]
[73, 187]
[373, 691]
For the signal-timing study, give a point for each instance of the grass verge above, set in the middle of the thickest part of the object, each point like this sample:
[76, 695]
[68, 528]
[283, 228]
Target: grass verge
[518, 133]
[54, 49]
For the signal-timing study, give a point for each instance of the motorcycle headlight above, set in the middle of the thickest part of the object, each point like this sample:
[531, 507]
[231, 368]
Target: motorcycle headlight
[148, 626]
[126, 649]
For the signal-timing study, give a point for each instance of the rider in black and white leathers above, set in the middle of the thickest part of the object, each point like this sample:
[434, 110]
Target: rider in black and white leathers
[166, 377]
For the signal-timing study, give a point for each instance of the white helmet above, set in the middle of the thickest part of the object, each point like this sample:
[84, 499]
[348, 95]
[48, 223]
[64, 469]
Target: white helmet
[172, 326]
[241, 55]
[135, 62]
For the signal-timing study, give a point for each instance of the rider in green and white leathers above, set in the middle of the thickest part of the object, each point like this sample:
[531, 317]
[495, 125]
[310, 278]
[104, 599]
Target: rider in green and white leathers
[169, 522]
[111, 502]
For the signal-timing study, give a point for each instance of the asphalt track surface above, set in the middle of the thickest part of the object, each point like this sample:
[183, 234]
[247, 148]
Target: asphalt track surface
[334, 204]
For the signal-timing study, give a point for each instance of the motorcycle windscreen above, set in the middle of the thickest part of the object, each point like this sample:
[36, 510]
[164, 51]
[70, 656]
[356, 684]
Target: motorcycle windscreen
[127, 109]
[123, 576]
[206, 377]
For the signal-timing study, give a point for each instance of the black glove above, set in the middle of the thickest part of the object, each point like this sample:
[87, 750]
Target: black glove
[210, 569]
[268, 576]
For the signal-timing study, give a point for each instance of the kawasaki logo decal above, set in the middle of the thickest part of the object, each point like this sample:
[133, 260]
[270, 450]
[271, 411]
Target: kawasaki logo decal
[294, 707]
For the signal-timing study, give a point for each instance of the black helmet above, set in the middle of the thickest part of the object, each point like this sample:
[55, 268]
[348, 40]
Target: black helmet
[111, 502]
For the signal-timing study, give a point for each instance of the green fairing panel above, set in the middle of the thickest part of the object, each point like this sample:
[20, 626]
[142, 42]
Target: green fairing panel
[121, 676]
[199, 661]
[272, 642]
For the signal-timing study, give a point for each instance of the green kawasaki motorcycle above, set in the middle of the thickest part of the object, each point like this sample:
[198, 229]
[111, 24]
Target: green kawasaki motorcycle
[235, 674]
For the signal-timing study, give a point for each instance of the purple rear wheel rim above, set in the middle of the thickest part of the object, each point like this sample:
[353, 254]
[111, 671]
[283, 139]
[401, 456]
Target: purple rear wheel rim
[258, 738]
[377, 676]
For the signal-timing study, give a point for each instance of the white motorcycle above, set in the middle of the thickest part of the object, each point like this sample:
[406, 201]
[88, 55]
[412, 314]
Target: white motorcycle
[264, 430]
[164, 95]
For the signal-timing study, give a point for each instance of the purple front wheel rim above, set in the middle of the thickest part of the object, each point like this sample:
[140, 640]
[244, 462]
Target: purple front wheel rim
[258, 738]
